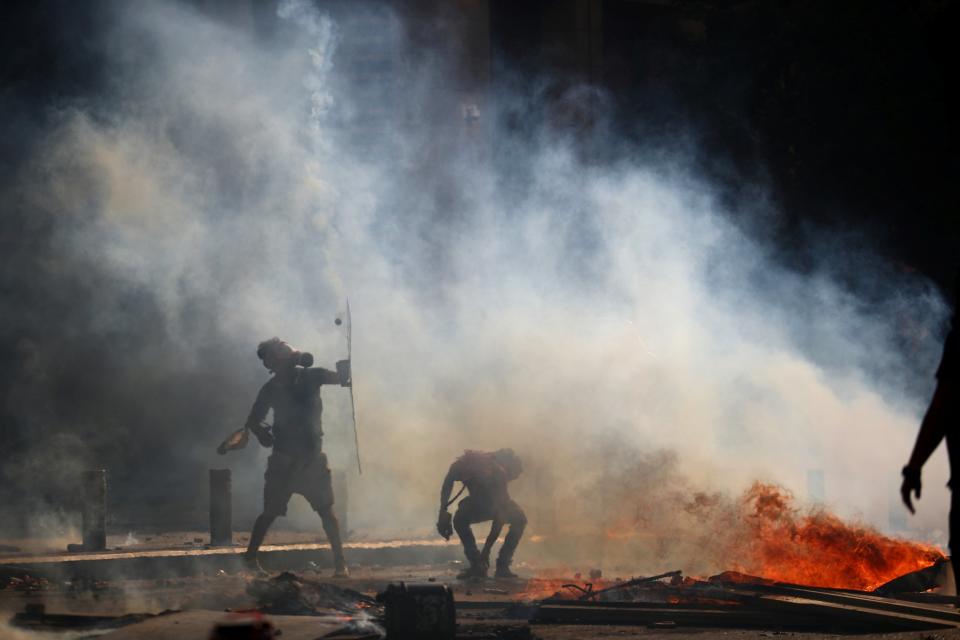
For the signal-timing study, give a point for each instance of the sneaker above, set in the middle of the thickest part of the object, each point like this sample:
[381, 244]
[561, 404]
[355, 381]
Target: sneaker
[473, 572]
[252, 565]
[503, 571]
[341, 572]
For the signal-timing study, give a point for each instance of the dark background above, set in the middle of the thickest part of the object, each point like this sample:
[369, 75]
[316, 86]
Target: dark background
[842, 110]
[838, 115]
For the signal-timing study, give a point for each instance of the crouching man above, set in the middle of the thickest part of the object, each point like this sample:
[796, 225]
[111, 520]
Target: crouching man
[485, 476]
[297, 464]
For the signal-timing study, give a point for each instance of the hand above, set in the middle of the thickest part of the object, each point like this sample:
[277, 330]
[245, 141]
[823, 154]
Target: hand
[236, 440]
[911, 484]
[445, 524]
[343, 370]
[264, 435]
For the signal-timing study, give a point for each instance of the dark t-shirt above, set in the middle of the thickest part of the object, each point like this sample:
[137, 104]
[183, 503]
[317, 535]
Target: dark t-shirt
[296, 405]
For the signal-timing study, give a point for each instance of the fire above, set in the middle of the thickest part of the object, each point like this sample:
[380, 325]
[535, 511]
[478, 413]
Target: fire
[764, 533]
[817, 548]
[544, 588]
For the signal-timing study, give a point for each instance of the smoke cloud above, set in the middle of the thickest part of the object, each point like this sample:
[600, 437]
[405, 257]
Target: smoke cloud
[232, 182]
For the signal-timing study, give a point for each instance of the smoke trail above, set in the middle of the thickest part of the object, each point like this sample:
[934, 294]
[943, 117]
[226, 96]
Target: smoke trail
[231, 184]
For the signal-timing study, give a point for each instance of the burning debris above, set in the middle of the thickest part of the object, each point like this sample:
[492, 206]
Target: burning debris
[819, 549]
[763, 532]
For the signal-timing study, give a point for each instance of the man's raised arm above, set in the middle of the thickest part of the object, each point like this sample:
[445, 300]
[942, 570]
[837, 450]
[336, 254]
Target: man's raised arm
[319, 375]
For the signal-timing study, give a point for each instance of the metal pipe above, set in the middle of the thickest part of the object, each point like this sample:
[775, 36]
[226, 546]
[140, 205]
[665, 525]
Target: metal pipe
[94, 509]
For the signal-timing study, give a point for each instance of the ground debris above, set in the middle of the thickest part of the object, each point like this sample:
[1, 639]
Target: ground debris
[36, 618]
[27, 583]
[290, 594]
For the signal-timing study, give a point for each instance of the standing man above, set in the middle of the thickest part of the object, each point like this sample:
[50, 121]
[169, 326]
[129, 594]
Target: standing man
[941, 420]
[297, 464]
[485, 476]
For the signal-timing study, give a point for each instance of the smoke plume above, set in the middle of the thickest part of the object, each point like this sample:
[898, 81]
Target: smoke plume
[514, 282]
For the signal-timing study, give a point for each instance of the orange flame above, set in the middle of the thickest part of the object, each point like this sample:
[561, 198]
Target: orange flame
[540, 588]
[819, 549]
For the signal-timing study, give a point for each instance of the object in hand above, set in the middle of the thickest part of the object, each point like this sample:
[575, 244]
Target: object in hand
[236, 440]
[343, 370]
[445, 524]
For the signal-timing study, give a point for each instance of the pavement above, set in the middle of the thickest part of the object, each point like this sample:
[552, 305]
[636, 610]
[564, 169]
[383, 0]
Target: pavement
[184, 588]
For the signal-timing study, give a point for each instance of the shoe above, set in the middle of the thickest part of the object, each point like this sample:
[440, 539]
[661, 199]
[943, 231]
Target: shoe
[473, 572]
[341, 572]
[252, 565]
[503, 571]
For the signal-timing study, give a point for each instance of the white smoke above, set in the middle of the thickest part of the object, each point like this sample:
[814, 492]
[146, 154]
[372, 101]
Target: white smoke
[519, 296]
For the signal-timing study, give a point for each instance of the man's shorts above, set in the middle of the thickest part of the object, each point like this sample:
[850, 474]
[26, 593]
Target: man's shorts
[286, 475]
[473, 509]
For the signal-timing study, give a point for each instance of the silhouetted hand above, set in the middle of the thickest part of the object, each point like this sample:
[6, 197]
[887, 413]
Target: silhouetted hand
[445, 524]
[264, 435]
[343, 370]
[911, 484]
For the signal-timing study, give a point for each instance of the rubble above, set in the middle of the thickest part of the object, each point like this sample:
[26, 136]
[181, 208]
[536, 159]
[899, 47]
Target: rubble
[289, 594]
[27, 583]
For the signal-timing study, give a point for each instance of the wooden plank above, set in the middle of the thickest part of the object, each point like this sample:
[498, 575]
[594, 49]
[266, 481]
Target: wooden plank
[849, 616]
[761, 611]
[576, 614]
[856, 599]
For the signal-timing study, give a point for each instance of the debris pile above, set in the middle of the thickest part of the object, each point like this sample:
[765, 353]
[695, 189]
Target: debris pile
[27, 583]
[290, 594]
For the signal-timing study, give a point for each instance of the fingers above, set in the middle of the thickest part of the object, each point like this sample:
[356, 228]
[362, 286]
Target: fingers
[905, 495]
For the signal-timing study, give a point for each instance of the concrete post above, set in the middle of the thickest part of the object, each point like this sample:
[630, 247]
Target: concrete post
[221, 512]
[94, 509]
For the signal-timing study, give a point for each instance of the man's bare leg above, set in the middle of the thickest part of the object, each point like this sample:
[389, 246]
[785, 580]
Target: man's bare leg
[517, 520]
[260, 527]
[331, 526]
[462, 520]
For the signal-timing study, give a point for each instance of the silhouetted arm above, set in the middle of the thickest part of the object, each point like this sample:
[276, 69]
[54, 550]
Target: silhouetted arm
[447, 488]
[319, 376]
[941, 412]
[934, 425]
